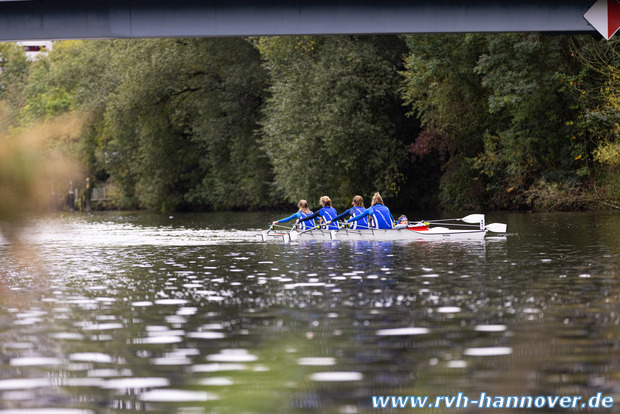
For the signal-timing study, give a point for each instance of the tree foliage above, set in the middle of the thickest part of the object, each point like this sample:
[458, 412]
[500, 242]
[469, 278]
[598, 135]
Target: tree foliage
[172, 121]
[185, 115]
[595, 93]
[13, 76]
[459, 121]
[443, 90]
[500, 110]
[334, 115]
[522, 74]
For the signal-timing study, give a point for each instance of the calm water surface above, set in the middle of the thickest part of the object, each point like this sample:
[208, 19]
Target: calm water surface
[190, 314]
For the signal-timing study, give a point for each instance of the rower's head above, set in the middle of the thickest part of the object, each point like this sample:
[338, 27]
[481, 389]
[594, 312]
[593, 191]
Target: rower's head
[376, 199]
[326, 201]
[303, 206]
[358, 201]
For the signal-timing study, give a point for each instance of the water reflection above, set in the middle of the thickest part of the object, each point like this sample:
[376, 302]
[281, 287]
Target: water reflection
[157, 314]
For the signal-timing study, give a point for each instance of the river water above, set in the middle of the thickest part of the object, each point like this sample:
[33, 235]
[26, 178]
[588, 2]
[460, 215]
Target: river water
[191, 314]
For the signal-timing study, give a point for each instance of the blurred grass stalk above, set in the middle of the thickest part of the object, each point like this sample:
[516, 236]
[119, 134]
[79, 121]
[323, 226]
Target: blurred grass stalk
[36, 165]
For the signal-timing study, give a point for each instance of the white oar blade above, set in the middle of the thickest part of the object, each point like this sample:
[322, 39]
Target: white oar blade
[497, 227]
[473, 218]
[293, 235]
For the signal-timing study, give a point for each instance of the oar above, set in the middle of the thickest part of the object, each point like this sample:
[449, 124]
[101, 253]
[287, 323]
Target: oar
[475, 219]
[276, 228]
[310, 229]
[294, 235]
[271, 229]
[341, 225]
[318, 226]
[496, 227]
[472, 218]
[449, 224]
[345, 226]
[264, 235]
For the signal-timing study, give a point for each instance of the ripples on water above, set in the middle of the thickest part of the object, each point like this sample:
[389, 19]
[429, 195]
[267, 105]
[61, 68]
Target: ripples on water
[191, 314]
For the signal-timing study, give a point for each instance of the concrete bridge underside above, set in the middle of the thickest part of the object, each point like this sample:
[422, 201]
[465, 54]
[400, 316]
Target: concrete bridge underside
[87, 19]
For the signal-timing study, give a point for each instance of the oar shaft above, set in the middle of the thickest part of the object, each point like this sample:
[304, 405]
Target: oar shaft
[472, 218]
[307, 230]
[459, 224]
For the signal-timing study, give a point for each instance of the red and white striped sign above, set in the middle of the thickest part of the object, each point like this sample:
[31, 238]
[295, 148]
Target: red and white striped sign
[604, 15]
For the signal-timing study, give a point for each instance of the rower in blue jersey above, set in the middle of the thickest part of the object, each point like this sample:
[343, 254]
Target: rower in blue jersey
[327, 214]
[303, 212]
[357, 209]
[379, 215]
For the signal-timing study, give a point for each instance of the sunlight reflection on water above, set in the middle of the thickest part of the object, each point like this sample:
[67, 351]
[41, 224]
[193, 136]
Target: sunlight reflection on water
[122, 313]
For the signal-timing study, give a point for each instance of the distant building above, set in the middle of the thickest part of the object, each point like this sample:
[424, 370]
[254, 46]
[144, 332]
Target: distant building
[34, 48]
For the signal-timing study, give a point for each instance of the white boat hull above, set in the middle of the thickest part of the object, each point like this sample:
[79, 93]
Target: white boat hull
[433, 234]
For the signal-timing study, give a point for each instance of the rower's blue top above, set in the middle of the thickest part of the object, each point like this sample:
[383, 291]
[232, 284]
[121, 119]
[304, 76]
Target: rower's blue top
[326, 214]
[307, 225]
[380, 217]
[354, 211]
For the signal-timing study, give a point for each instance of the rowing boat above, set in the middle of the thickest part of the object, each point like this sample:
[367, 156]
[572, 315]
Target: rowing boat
[436, 230]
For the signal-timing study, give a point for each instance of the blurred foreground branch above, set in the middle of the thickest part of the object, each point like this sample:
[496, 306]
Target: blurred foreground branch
[36, 164]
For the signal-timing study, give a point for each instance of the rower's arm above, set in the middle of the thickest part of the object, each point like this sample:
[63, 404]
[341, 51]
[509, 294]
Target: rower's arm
[311, 216]
[284, 220]
[366, 213]
[343, 215]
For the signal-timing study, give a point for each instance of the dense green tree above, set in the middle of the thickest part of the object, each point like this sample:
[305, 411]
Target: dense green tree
[531, 144]
[172, 121]
[334, 122]
[13, 77]
[443, 90]
[595, 93]
[36, 158]
[496, 109]
[181, 127]
[76, 76]
[507, 120]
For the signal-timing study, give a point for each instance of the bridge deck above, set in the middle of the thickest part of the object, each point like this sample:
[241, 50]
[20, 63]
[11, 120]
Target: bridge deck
[68, 19]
